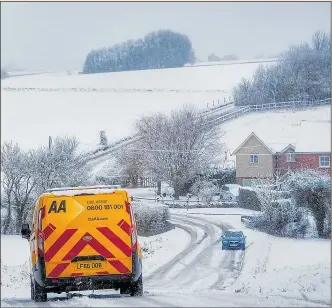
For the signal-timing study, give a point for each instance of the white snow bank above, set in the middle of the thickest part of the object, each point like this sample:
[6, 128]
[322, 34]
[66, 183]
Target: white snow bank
[296, 268]
[15, 279]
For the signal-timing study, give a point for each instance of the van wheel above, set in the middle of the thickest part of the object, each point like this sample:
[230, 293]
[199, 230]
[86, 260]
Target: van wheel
[124, 290]
[136, 288]
[38, 292]
[32, 289]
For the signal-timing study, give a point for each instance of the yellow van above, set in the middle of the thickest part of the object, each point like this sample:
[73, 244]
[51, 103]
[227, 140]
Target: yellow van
[83, 238]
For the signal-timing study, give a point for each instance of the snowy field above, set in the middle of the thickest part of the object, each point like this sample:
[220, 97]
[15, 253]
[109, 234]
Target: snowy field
[114, 101]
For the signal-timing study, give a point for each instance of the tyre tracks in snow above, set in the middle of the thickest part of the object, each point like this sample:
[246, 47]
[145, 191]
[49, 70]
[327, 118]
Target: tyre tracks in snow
[202, 264]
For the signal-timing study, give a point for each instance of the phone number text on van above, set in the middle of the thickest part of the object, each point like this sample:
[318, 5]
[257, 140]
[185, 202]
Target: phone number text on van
[104, 207]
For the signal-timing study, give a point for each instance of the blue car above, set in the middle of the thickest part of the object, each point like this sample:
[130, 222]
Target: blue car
[233, 240]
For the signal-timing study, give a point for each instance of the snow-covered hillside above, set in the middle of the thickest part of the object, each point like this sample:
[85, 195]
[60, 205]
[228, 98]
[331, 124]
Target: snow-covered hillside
[48, 104]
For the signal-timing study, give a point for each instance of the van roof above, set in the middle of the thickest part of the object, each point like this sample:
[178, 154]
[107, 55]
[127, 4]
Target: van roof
[95, 190]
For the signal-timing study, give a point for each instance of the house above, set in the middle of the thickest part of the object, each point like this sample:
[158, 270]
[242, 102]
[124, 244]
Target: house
[262, 159]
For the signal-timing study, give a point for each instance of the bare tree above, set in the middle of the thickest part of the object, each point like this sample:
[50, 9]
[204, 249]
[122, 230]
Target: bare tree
[178, 146]
[131, 163]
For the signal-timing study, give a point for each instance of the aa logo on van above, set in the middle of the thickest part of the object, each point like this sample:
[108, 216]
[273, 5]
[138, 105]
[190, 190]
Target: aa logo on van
[55, 209]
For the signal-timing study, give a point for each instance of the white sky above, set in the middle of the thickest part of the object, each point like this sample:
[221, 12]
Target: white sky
[58, 35]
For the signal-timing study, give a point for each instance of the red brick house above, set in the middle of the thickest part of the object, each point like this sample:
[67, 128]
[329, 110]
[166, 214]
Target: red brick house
[312, 149]
[258, 159]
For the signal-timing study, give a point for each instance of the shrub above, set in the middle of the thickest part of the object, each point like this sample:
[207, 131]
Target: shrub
[286, 220]
[151, 219]
[248, 199]
[311, 189]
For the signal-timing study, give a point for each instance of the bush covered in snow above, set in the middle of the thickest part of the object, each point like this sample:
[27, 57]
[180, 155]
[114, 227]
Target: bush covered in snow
[204, 190]
[312, 190]
[248, 199]
[301, 209]
[151, 219]
[286, 220]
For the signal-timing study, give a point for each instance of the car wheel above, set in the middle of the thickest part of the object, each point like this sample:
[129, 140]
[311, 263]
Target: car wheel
[136, 288]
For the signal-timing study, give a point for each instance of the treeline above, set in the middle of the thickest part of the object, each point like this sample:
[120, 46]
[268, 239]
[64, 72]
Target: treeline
[302, 74]
[161, 49]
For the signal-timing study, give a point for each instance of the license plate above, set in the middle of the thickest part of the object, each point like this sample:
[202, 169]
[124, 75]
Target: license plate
[233, 244]
[92, 265]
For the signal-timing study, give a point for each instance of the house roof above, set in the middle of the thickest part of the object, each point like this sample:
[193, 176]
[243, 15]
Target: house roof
[242, 144]
[314, 137]
[272, 146]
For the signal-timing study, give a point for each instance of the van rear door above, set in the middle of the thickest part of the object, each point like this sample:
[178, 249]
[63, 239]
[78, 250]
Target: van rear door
[86, 235]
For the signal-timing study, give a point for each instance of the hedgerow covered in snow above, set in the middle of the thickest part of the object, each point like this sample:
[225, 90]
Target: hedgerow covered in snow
[300, 207]
[151, 219]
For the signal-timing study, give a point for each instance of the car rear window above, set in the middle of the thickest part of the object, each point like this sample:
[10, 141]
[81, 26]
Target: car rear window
[236, 234]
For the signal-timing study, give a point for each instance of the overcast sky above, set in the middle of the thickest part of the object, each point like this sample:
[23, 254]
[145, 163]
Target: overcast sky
[58, 35]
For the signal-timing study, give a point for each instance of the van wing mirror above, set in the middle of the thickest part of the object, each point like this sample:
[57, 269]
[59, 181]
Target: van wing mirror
[25, 231]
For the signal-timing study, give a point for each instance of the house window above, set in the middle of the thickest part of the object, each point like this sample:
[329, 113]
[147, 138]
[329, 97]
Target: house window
[290, 157]
[324, 161]
[254, 159]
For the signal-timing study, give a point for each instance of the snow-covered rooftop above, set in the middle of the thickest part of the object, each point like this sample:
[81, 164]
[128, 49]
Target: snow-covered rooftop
[314, 136]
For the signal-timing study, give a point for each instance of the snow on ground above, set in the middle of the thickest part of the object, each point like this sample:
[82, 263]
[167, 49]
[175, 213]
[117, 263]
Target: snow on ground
[280, 126]
[126, 97]
[15, 278]
[273, 266]
[160, 249]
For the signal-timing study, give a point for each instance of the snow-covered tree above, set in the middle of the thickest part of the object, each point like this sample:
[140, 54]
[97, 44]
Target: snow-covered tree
[18, 183]
[205, 190]
[302, 74]
[160, 49]
[61, 165]
[103, 138]
[178, 146]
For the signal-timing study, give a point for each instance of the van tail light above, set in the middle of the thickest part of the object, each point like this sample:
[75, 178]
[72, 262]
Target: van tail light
[41, 233]
[40, 243]
[133, 228]
[133, 239]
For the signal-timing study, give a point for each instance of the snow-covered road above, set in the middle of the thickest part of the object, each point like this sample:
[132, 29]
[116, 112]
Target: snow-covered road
[195, 276]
